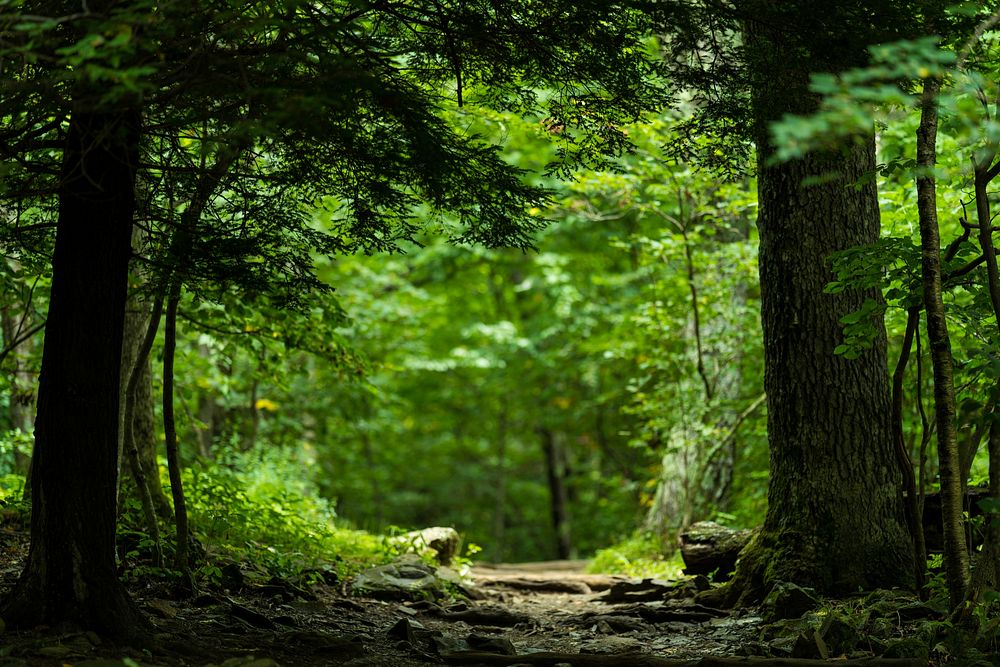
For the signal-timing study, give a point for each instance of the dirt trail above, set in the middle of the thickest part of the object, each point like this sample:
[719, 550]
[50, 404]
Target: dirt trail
[544, 614]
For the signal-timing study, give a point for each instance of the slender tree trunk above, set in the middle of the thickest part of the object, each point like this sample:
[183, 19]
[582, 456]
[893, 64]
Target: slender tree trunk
[136, 324]
[22, 385]
[555, 466]
[145, 438]
[914, 516]
[500, 485]
[70, 571]
[956, 557]
[986, 575]
[170, 435]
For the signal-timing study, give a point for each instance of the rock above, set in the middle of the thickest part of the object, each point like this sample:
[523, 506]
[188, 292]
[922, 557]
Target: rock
[907, 648]
[839, 635]
[611, 645]
[787, 600]
[710, 549]
[251, 617]
[442, 541]
[642, 591]
[444, 645]
[162, 608]
[487, 615]
[405, 629]
[613, 624]
[407, 578]
[500, 645]
[232, 577]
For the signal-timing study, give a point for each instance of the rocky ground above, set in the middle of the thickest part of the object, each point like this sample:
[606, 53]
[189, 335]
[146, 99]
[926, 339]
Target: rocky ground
[543, 614]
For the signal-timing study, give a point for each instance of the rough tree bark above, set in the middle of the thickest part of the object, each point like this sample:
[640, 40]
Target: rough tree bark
[956, 557]
[835, 517]
[70, 572]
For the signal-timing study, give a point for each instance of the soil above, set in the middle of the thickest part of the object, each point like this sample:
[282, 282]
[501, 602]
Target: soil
[531, 614]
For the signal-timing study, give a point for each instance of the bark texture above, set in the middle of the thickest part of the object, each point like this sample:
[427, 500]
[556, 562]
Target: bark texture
[956, 557]
[835, 517]
[70, 572]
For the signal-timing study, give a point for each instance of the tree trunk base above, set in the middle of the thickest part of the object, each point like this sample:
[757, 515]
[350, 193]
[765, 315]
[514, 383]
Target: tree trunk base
[108, 611]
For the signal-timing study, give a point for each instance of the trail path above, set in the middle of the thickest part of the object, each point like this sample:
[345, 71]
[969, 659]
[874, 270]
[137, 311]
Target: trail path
[540, 614]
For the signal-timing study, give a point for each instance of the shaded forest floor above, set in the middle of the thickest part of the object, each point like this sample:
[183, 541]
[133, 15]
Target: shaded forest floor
[543, 614]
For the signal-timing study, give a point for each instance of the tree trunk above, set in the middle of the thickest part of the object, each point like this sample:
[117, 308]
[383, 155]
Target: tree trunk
[500, 487]
[22, 384]
[986, 574]
[555, 466]
[956, 557]
[133, 355]
[170, 435]
[835, 518]
[914, 518]
[144, 429]
[70, 572]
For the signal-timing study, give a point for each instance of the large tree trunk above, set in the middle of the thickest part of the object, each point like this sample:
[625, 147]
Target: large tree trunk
[835, 517]
[70, 572]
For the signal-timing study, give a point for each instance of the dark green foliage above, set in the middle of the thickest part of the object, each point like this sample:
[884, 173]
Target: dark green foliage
[259, 112]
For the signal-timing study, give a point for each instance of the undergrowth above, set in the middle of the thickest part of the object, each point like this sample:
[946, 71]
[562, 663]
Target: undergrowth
[643, 554]
[256, 510]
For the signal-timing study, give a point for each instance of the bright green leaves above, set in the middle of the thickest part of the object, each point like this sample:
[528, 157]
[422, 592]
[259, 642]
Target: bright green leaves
[860, 329]
[849, 101]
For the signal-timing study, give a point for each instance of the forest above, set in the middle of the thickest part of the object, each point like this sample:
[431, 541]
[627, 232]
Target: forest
[499, 332]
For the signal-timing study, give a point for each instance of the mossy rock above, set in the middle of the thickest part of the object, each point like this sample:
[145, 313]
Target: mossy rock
[908, 647]
[788, 600]
[840, 635]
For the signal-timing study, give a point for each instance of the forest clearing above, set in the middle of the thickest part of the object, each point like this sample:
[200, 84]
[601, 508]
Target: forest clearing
[499, 332]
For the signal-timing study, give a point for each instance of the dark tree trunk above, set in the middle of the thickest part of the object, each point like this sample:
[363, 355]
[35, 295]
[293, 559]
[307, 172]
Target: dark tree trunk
[556, 469]
[835, 517]
[70, 571]
[956, 557]
[170, 435]
[914, 518]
